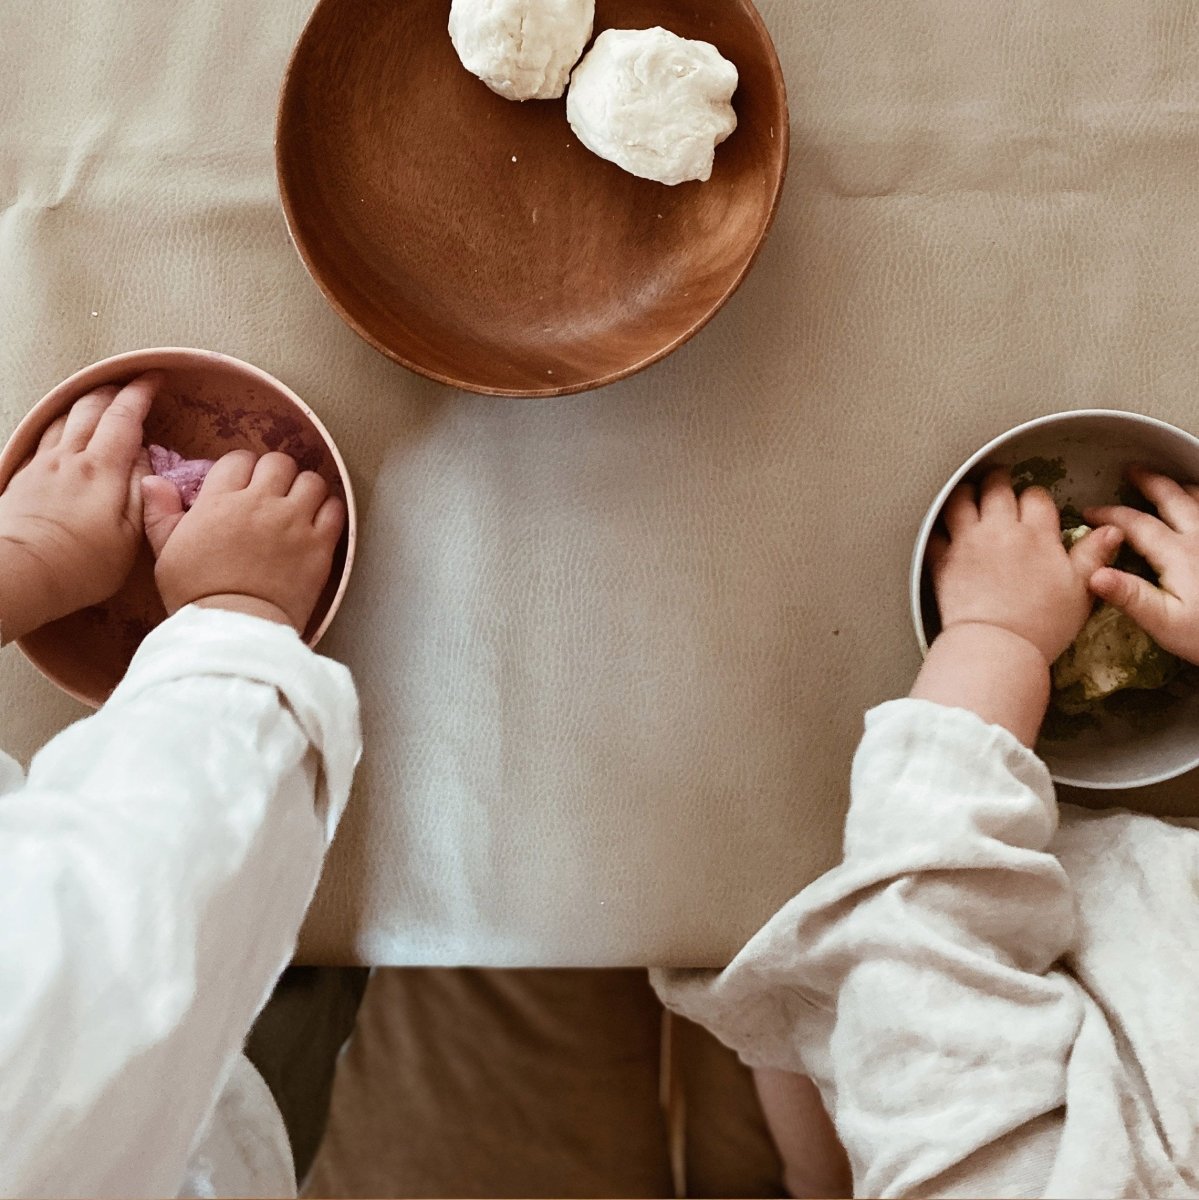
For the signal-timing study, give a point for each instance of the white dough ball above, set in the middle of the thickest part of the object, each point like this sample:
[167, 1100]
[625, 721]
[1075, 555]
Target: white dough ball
[654, 103]
[522, 49]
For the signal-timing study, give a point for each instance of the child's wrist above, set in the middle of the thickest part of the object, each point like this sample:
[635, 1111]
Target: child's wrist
[991, 671]
[251, 606]
[987, 634]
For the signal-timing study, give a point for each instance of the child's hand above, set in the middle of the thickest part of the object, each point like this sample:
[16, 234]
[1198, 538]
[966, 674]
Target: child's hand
[71, 518]
[1169, 613]
[259, 539]
[1004, 565]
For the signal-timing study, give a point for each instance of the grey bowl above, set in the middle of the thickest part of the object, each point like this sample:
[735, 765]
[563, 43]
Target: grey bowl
[1094, 445]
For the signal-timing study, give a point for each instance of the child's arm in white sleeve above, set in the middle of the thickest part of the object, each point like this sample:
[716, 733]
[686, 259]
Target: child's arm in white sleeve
[157, 867]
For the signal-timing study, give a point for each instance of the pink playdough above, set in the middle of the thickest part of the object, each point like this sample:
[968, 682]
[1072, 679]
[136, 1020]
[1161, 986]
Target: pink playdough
[187, 474]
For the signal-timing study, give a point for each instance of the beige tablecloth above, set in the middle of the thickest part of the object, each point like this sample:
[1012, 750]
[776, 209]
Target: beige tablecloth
[614, 650]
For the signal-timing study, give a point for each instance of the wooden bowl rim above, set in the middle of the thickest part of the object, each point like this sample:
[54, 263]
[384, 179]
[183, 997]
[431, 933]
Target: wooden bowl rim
[117, 366]
[780, 165]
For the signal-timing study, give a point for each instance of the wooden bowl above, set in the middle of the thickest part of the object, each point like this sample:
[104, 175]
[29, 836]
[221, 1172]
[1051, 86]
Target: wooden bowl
[475, 240]
[209, 404]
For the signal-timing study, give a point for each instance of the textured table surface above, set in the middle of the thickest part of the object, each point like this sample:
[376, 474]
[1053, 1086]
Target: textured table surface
[614, 650]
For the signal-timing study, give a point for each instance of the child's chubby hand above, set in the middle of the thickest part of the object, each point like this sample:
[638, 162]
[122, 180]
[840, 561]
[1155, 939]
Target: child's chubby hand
[1169, 613]
[259, 539]
[70, 519]
[1003, 564]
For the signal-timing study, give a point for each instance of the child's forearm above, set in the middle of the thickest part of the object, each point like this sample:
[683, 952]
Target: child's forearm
[989, 671]
[26, 601]
[916, 981]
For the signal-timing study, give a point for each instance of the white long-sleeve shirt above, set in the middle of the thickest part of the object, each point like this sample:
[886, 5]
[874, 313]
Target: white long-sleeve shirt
[992, 1002]
[154, 871]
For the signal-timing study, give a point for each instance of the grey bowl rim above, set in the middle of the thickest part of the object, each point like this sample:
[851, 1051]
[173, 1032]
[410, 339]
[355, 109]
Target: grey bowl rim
[920, 550]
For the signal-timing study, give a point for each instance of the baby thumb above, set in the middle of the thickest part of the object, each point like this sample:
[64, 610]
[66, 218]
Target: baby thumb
[162, 510]
[1137, 598]
[1095, 550]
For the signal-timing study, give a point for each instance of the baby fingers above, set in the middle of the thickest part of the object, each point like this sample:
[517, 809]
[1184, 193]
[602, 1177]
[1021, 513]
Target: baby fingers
[1156, 611]
[309, 491]
[84, 418]
[1095, 550]
[1177, 507]
[116, 435]
[1148, 536]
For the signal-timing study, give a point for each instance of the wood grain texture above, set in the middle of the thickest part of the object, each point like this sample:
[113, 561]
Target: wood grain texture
[475, 239]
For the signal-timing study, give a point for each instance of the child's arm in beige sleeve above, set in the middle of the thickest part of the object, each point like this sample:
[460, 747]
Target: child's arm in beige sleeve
[916, 982]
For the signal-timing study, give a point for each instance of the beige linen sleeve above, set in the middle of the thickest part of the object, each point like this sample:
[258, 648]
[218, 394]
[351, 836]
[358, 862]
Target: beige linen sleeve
[917, 981]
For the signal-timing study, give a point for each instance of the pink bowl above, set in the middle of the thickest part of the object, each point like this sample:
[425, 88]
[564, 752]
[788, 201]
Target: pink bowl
[209, 404]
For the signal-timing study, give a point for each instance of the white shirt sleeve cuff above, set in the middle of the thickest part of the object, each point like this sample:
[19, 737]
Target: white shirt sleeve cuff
[199, 642]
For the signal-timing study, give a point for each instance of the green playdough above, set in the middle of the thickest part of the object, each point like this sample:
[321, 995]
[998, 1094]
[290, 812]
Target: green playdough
[1038, 472]
[1112, 654]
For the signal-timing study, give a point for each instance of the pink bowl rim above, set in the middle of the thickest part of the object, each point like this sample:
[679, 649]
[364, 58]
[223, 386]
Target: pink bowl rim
[130, 362]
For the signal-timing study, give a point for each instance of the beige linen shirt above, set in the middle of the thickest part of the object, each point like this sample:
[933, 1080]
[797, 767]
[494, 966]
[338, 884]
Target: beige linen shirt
[995, 997]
